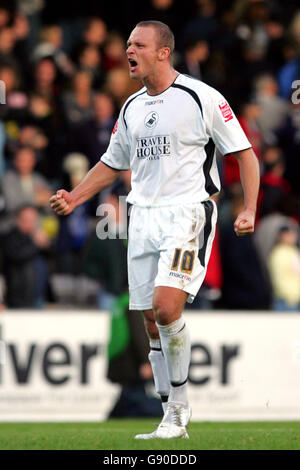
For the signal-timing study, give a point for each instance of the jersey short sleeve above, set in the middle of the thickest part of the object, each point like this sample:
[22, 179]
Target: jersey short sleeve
[117, 155]
[224, 128]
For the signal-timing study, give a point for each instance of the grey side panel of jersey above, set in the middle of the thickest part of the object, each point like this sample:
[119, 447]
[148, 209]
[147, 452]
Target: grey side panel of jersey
[209, 148]
[208, 207]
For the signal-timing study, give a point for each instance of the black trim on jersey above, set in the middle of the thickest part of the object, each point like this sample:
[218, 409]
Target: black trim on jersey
[190, 76]
[117, 169]
[235, 151]
[165, 88]
[155, 349]
[208, 207]
[210, 187]
[128, 103]
[192, 93]
[178, 384]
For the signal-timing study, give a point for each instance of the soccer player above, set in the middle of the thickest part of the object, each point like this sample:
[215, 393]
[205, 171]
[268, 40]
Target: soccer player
[166, 134]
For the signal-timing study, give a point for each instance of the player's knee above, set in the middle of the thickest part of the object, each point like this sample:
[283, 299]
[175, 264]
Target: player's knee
[163, 312]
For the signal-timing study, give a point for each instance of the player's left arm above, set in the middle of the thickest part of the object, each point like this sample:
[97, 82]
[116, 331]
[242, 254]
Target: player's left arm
[249, 173]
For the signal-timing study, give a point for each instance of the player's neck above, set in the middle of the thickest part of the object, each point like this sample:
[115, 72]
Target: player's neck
[160, 82]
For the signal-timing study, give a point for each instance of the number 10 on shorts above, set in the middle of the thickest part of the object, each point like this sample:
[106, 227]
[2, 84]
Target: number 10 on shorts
[187, 261]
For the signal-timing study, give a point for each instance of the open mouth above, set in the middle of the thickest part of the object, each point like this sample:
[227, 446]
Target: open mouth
[132, 64]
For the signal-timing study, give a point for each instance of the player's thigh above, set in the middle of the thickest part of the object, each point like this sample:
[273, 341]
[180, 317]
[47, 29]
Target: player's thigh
[142, 271]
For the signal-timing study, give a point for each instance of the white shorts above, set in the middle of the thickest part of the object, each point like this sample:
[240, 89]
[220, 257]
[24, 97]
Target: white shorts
[169, 246]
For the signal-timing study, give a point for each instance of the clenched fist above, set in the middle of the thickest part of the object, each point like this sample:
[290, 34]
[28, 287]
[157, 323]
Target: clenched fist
[62, 202]
[244, 223]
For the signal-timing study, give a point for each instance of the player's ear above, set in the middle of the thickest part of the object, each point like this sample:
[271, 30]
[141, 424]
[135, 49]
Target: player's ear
[164, 53]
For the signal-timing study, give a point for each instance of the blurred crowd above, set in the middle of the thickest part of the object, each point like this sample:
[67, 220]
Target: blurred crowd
[66, 77]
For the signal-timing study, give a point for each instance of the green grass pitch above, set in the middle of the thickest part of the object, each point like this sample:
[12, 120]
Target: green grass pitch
[119, 435]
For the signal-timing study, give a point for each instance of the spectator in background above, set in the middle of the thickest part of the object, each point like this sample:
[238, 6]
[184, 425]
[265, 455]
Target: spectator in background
[205, 23]
[248, 119]
[46, 121]
[33, 137]
[16, 99]
[77, 103]
[165, 11]
[39, 107]
[253, 31]
[196, 53]
[284, 267]
[267, 231]
[8, 74]
[5, 17]
[273, 109]
[92, 136]
[113, 52]
[45, 79]
[74, 229]
[28, 136]
[42, 116]
[289, 70]
[288, 139]
[257, 32]
[21, 52]
[95, 31]
[51, 46]
[22, 185]
[294, 29]
[2, 144]
[94, 34]
[32, 10]
[276, 30]
[245, 286]
[273, 186]
[7, 43]
[89, 60]
[25, 269]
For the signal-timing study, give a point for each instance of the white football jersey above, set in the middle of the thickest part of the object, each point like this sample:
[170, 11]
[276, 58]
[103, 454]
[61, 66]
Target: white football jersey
[169, 140]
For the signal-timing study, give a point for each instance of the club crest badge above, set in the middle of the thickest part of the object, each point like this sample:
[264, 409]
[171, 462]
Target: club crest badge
[151, 120]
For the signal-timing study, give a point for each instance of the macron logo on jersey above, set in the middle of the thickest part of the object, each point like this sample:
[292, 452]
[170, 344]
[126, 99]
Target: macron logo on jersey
[225, 110]
[148, 103]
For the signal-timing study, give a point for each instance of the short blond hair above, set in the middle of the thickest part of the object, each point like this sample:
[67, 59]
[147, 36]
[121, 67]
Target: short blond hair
[165, 35]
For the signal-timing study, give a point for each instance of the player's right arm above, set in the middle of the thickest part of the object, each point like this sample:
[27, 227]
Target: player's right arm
[98, 178]
[103, 174]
